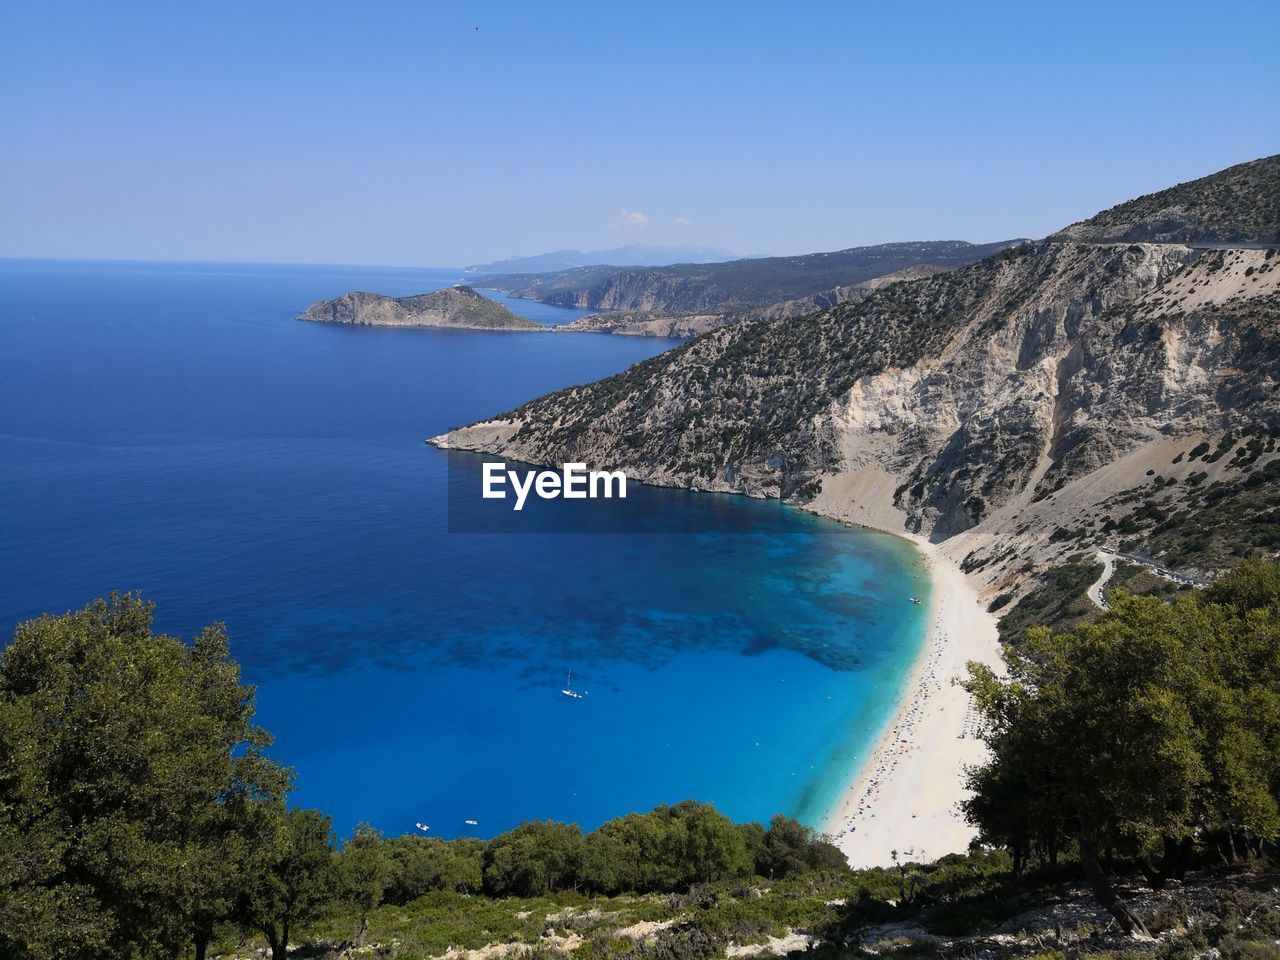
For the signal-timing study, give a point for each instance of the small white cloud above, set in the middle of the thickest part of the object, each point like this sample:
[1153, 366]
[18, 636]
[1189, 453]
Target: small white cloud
[681, 221]
[626, 219]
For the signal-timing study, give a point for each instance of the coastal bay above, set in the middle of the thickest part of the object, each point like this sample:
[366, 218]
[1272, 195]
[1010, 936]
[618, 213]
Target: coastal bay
[888, 569]
[408, 674]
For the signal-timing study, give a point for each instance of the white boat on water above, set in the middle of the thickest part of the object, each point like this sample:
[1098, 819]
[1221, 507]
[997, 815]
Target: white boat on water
[568, 690]
[914, 599]
[473, 823]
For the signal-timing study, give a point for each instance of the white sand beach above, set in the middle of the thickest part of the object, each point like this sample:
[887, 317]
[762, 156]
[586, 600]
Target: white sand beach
[906, 798]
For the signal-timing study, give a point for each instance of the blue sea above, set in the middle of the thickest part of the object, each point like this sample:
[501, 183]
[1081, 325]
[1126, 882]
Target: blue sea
[171, 428]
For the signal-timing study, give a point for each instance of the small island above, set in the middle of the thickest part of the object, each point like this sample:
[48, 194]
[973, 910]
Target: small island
[458, 306]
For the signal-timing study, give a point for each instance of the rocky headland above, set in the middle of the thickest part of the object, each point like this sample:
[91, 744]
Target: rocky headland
[451, 307]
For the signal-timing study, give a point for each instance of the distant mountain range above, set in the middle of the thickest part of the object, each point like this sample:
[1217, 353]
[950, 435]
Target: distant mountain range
[632, 255]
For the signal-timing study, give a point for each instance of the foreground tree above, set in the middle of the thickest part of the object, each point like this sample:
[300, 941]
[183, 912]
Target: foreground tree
[534, 859]
[292, 879]
[668, 848]
[129, 763]
[366, 870]
[789, 848]
[422, 864]
[1138, 732]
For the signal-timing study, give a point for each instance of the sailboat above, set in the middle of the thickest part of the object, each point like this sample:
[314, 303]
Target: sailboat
[568, 690]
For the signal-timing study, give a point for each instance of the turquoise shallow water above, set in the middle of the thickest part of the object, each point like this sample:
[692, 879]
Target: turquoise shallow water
[171, 428]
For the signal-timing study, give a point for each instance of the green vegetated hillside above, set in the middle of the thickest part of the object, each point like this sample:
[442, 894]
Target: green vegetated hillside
[1057, 600]
[1196, 524]
[1214, 523]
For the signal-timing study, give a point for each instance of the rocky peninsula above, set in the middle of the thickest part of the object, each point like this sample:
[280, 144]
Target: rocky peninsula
[459, 307]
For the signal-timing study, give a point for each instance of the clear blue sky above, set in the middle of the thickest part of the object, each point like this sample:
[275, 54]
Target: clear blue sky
[401, 134]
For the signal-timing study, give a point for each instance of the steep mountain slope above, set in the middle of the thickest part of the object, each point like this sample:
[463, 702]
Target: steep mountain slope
[1014, 409]
[1239, 205]
[723, 287]
[450, 307]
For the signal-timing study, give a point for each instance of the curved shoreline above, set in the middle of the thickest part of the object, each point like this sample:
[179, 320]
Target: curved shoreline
[905, 796]
[914, 776]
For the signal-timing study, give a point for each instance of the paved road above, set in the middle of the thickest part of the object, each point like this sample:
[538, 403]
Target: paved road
[1109, 558]
[1108, 568]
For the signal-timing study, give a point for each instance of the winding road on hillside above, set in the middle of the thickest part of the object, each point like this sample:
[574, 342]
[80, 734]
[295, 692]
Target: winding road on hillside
[1109, 559]
[1108, 568]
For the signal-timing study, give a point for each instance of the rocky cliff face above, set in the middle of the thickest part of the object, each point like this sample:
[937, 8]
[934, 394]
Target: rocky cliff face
[450, 307]
[1046, 388]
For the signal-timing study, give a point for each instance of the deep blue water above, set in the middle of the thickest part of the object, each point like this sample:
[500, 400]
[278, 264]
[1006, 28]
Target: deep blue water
[540, 312]
[171, 428]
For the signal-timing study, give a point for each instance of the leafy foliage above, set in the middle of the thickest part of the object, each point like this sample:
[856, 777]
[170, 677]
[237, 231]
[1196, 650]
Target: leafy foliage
[422, 864]
[129, 768]
[365, 869]
[293, 878]
[1140, 731]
